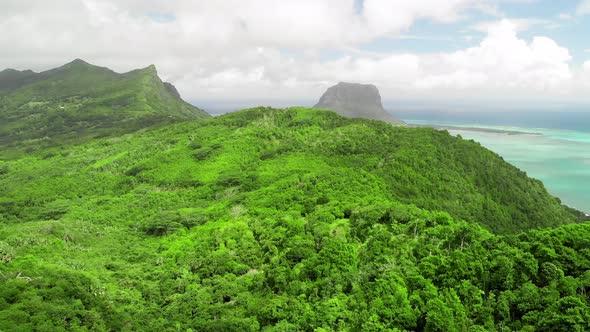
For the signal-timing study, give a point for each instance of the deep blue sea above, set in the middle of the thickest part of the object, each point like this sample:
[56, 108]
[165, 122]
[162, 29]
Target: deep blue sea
[553, 147]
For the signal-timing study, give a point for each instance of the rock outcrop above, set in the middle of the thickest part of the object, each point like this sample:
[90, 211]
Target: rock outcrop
[356, 101]
[172, 90]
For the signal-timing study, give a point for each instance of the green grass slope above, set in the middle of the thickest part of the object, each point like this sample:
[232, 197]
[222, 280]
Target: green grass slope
[79, 101]
[285, 220]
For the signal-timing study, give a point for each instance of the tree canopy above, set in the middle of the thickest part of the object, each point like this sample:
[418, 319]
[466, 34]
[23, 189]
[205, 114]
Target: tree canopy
[285, 220]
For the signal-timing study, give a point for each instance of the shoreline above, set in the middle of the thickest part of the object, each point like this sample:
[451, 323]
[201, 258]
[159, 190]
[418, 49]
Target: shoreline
[503, 135]
[477, 129]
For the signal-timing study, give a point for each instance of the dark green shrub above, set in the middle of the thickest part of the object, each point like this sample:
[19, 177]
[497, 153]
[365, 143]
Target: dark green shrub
[161, 224]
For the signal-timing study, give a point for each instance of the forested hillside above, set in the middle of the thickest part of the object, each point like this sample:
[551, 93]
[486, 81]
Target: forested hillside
[79, 101]
[285, 220]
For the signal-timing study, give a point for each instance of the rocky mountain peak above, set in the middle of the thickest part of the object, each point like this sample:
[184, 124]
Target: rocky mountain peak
[356, 100]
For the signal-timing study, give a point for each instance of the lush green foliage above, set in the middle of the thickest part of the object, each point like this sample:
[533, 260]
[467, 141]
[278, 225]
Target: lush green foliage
[79, 101]
[285, 220]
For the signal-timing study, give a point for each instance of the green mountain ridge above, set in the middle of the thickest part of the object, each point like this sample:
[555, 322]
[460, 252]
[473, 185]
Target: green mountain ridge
[79, 101]
[285, 220]
[11, 79]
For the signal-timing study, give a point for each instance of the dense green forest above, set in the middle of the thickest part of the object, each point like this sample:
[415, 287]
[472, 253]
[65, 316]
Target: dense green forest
[285, 220]
[80, 101]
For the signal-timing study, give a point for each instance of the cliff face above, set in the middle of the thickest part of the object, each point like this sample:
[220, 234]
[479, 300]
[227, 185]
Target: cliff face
[356, 101]
[172, 90]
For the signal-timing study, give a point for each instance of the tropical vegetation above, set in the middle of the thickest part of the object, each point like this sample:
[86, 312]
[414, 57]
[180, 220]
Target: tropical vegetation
[284, 220]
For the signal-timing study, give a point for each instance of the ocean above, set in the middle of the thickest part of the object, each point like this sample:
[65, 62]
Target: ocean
[553, 147]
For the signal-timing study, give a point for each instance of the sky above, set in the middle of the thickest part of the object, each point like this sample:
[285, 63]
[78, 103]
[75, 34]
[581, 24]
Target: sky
[228, 53]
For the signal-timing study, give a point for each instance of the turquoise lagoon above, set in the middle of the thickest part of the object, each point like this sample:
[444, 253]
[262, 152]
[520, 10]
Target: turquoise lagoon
[558, 157]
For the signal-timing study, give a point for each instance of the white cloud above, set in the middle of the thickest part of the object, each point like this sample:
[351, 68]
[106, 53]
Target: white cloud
[235, 49]
[386, 17]
[126, 28]
[508, 61]
[501, 62]
[583, 7]
[584, 77]
[520, 24]
[205, 41]
[123, 25]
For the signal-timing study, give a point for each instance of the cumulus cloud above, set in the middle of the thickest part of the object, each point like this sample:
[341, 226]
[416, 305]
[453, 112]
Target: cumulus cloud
[386, 16]
[583, 7]
[503, 60]
[109, 26]
[584, 77]
[501, 63]
[235, 49]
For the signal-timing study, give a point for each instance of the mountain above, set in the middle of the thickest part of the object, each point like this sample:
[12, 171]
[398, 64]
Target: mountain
[78, 101]
[285, 220]
[11, 79]
[356, 100]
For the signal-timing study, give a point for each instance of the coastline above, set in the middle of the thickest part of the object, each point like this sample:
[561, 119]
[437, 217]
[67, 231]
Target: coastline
[476, 129]
[557, 157]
